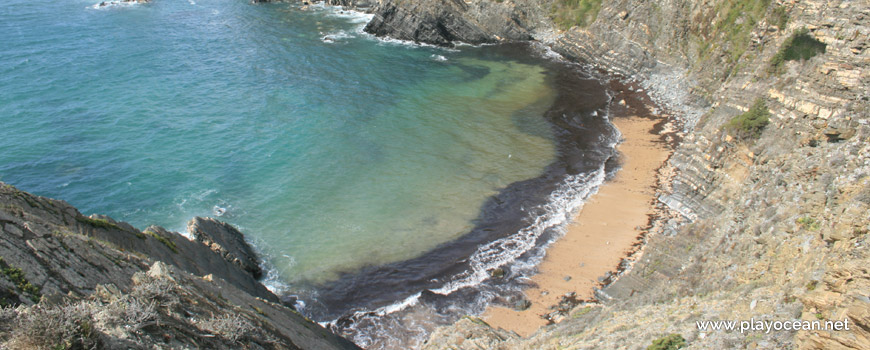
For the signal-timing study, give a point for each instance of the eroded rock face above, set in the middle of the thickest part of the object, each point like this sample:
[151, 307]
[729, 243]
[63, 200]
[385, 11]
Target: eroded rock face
[227, 241]
[772, 228]
[432, 22]
[445, 22]
[135, 289]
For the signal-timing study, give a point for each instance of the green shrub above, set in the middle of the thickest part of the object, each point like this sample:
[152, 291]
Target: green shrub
[16, 276]
[751, 123]
[568, 13]
[101, 223]
[669, 342]
[809, 223]
[799, 46]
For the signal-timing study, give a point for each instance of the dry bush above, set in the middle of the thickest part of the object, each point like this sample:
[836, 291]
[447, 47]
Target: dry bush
[131, 313]
[163, 291]
[68, 326]
[231, 327]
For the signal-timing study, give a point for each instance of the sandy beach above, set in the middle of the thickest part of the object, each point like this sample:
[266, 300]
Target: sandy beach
[602, 233]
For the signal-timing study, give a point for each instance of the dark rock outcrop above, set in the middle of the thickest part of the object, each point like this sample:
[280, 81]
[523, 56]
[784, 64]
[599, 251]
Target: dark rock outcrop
[227, 241]
[433, 22]
[444, 22]
[106, 284]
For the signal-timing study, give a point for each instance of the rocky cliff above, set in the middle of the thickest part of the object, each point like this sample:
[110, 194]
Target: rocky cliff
[762, 221]
[74, 281]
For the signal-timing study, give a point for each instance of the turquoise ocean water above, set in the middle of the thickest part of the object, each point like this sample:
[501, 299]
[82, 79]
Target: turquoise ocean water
[332, 150]
[331, 155]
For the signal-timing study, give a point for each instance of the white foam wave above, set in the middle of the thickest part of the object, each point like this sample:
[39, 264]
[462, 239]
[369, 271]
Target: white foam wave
[182, 230]
[273, 280]
[557, 212]
[384, 310]
[362, 18]
[351, 16]
[407, 43]
[439, 58]
[218, 210]
[107, 4]
[549, 53]
[333, 37]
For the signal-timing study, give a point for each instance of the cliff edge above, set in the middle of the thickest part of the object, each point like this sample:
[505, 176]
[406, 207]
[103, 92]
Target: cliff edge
[763, 206]
[74, 281]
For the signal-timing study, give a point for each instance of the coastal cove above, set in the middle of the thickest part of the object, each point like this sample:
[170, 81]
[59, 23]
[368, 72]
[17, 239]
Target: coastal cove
[375, 200]
[433, 174]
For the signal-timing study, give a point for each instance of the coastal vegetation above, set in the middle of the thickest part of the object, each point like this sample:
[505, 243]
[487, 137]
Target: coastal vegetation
[16, 276]
[569, 13]
[779, 17]
[668, 342]
[799, 46]
[582, 312]
[750, 124]
[100, 223]
[69, 326]
[809, 223]
[734, 21]
[169, 244]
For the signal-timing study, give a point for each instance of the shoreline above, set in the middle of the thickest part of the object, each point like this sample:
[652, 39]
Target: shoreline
[584, 142]
[605, 231]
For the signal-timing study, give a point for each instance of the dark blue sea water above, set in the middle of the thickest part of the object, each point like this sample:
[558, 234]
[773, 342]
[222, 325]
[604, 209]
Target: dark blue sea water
[335, 152]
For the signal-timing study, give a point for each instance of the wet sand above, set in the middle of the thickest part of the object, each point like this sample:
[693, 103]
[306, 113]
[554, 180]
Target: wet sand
[602, 233]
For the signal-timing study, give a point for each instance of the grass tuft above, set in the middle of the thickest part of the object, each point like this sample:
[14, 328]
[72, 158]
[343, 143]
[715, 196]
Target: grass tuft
[168, 243]
[569, 13]
[582, 312]
[100, 223]
[779, 17]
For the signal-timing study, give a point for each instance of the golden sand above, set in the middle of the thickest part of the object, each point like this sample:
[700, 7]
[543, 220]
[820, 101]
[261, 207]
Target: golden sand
[602, 233]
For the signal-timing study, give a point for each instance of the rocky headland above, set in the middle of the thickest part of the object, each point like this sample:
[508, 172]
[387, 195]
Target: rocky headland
[81, 282]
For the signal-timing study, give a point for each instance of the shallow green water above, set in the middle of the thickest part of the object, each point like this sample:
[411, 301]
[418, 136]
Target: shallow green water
[329, 154]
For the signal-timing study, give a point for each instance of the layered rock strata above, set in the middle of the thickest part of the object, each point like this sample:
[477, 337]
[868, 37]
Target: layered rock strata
[771, 228]
[74, 281]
